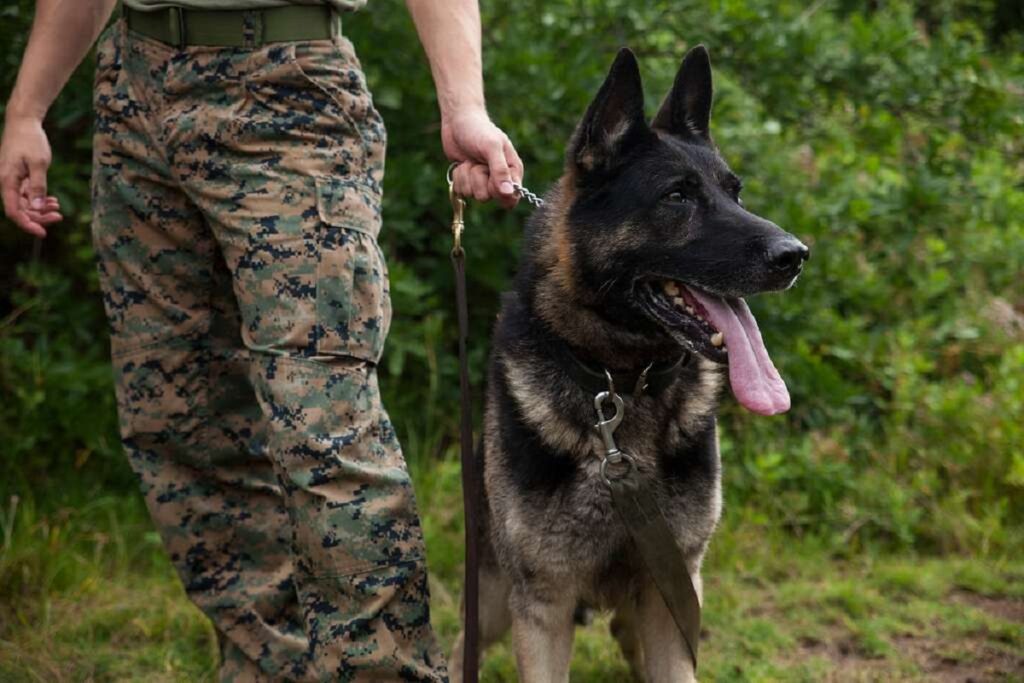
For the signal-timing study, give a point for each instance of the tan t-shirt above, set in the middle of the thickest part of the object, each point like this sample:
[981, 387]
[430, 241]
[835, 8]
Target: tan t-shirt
[343, 5]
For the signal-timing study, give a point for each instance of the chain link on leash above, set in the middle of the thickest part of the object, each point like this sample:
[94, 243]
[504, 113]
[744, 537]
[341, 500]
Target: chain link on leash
[527, 195]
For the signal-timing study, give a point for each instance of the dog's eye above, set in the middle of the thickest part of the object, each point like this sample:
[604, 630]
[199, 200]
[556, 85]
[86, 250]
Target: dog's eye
[675, 197]
[734, 187]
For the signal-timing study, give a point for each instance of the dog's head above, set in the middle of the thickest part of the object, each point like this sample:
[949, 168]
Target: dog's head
[654, 236]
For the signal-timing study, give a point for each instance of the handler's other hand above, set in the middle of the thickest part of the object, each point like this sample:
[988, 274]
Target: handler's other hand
[488, 163]
[24, 161]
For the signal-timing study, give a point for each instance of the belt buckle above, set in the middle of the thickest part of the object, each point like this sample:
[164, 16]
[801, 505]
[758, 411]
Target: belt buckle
[335, 19]
[176, 17]
[254, 28]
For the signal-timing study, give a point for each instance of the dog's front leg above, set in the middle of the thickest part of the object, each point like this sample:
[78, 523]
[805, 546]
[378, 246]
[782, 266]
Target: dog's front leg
[494, 617]
[666, 658]
[542, 631]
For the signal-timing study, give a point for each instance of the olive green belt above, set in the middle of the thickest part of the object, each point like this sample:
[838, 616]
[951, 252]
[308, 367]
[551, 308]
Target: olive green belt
[180, 26]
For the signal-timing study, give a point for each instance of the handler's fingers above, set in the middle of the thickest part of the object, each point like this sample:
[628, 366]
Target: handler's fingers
[515, 174]
[462, 181]
[43, 220]
[9, 187]
[37, 183]
[481, 183]
[46, 216]
[27, 222]
[497, 168]
[48, 202]
[515, 164]
[24, 201]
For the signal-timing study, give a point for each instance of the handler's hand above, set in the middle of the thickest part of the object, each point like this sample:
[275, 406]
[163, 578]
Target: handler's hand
[24, 161]
[488, 161]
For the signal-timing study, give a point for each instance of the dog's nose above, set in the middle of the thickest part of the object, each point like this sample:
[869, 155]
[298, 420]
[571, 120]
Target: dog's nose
[788, 255]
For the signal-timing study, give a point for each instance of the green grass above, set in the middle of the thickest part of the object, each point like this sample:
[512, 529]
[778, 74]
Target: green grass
[89, 595]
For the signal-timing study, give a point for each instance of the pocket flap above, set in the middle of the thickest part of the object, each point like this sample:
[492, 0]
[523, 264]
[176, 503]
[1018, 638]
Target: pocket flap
[349, 203]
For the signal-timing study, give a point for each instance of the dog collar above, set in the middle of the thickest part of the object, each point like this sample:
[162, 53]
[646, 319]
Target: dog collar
[652, 380]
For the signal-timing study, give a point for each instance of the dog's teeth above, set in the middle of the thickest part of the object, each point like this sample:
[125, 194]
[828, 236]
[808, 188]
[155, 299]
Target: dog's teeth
[717, 339]
[689, 309]
[672, 287]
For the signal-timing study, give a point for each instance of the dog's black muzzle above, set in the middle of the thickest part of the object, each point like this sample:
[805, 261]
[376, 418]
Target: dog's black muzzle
[741, 254]
[776, 256]
[786, 256]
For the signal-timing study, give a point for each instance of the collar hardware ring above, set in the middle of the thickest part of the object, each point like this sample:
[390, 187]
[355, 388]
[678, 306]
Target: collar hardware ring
[624, 459]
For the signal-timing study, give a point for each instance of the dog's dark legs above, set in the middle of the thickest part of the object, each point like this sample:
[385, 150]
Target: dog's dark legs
[542, 630]
[495, 617]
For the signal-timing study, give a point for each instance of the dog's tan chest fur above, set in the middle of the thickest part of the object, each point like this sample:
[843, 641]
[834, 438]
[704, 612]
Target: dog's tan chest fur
[576, 535]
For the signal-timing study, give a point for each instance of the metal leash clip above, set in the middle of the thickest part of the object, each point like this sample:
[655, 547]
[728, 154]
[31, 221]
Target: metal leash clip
[606, 428]
[458, 211]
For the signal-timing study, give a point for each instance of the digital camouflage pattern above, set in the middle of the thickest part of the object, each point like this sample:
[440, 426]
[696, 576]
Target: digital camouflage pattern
[236, 208]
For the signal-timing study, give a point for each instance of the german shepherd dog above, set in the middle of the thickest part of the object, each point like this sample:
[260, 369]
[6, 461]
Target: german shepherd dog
[637, 260]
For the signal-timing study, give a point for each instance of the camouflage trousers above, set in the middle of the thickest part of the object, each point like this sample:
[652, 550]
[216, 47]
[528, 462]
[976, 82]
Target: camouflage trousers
[237, 198]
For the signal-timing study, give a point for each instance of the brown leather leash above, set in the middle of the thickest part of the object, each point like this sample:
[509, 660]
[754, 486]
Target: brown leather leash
[636, 507]
[470, 479]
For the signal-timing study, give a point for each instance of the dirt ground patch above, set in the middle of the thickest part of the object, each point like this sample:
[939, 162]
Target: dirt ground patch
[1010, 609]
[963, 661]
[953, 660]
[846, 662]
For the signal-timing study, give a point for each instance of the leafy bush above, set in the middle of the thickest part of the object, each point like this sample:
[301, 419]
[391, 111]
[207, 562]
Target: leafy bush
[886, 135]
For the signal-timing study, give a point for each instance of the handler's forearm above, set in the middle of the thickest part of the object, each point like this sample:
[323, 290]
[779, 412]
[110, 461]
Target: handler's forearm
[450, 33]
[62, 33]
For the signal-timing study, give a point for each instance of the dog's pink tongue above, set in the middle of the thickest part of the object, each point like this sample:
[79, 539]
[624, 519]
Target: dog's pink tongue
[755, 381]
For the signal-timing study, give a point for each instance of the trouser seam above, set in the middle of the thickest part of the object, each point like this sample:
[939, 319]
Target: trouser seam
[360, 569]
[177, 342]
[327, 360]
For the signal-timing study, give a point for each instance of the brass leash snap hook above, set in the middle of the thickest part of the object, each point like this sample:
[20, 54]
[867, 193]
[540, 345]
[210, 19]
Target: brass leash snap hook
[458, 210]
[606, 428]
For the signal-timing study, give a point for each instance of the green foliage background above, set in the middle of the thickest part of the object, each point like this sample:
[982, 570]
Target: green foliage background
[887, 135]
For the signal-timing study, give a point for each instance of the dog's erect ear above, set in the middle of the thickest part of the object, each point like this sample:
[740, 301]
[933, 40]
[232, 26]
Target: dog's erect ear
[686, 112]
[614, 120]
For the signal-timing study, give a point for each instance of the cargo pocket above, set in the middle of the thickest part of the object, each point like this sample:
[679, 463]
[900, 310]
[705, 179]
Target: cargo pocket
[353, 303]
